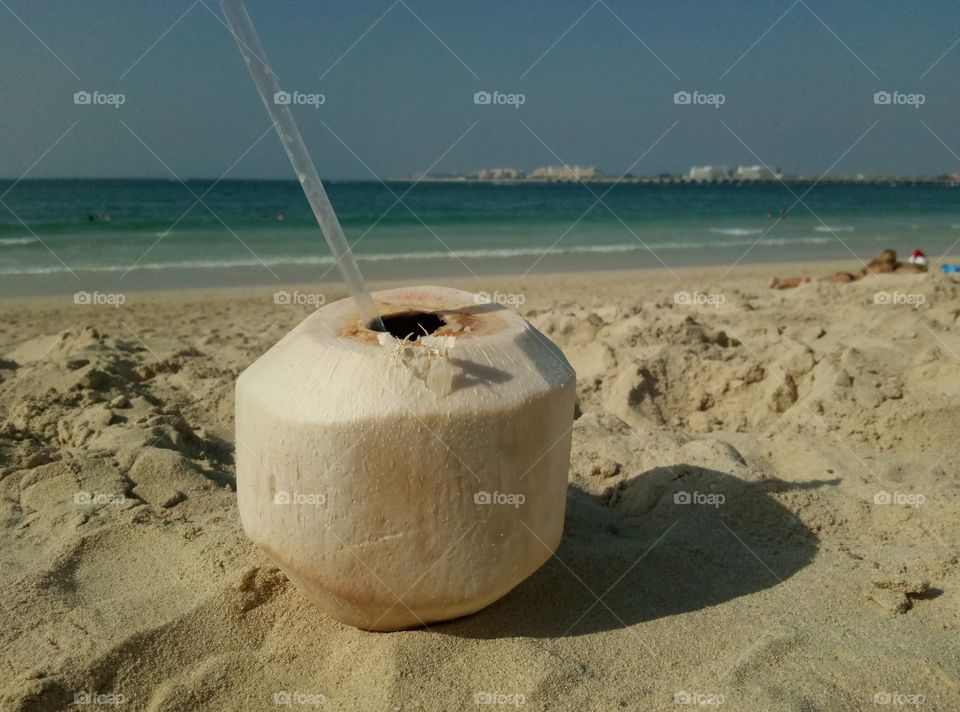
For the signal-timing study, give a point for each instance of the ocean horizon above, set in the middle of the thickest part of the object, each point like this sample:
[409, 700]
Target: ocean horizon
[126, 234]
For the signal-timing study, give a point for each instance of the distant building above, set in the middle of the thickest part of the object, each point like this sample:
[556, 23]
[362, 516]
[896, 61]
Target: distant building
[565, 173]
[501, 174]
[706, 173]
[757, 172]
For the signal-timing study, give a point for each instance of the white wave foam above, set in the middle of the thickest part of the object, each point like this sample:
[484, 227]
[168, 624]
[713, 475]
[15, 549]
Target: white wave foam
[314, 260]
[737, 231]
[500, 253]
[11, 241]
[834, 228]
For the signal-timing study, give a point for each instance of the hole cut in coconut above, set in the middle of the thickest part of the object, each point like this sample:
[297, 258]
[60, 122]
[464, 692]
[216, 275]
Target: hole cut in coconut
[413, 325]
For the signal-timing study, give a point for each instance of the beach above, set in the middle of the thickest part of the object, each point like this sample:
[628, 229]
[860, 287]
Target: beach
[762, 511]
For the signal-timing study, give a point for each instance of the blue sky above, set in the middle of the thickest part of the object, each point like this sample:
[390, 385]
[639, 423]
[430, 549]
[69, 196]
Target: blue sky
[797, 78]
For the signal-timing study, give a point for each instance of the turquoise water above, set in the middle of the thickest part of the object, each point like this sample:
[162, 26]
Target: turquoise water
[158, 235]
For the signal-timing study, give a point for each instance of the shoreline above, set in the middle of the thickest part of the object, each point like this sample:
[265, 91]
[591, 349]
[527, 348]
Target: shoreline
[56, 289]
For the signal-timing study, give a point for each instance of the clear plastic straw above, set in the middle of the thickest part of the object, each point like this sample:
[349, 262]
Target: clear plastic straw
[268, 86]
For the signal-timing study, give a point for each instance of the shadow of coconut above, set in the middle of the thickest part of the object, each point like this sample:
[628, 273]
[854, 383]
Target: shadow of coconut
[667, 541]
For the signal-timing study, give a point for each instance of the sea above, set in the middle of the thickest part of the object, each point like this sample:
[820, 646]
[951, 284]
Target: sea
[58, 236]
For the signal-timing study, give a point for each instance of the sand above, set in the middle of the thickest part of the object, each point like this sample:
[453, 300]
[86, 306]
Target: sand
[763, 509]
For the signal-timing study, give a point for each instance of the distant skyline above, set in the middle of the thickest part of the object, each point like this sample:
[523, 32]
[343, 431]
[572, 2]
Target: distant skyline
[413, 86]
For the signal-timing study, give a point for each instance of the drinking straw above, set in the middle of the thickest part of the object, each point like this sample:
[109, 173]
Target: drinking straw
[266, 81]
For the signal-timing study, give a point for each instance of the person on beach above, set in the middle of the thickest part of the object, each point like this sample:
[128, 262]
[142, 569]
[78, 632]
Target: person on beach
[918, 258]
[884, 263]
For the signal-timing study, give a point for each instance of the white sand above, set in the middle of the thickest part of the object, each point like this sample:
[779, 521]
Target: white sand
[789, 583]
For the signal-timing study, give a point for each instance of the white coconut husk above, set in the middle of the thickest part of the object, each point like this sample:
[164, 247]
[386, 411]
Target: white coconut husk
[387, 452]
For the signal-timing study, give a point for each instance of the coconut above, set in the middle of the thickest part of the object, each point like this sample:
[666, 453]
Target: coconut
[406, 477]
